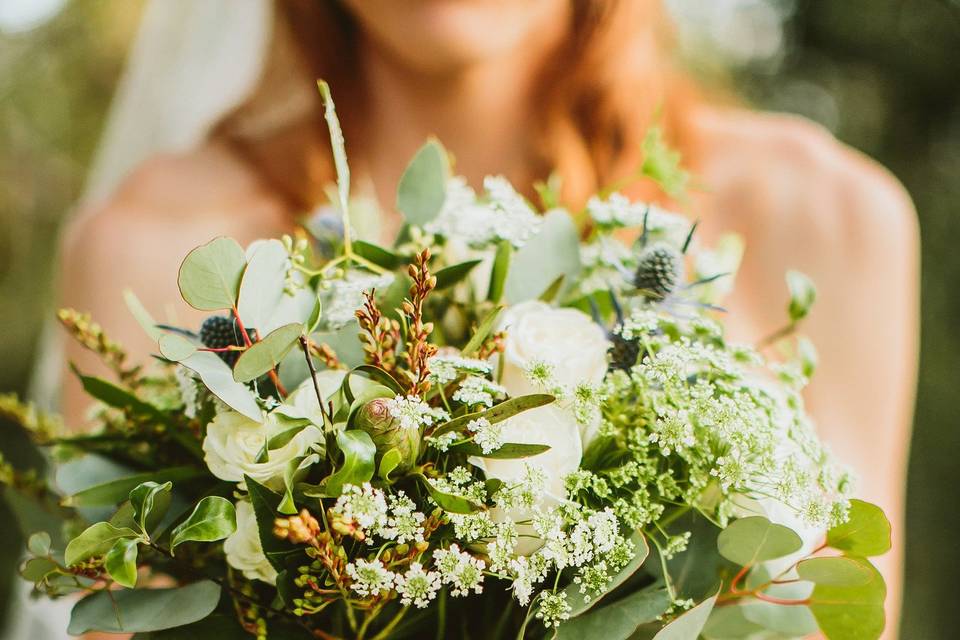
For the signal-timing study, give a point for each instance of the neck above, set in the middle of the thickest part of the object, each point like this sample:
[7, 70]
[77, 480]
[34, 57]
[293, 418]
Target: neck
[479, 112]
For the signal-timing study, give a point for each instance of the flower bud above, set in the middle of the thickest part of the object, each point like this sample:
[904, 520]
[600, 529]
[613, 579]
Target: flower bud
[386, 433]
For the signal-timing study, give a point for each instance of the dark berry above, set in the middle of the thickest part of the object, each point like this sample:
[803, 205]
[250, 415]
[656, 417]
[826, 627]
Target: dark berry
[658, 271]
[623, 352]
[218, 332]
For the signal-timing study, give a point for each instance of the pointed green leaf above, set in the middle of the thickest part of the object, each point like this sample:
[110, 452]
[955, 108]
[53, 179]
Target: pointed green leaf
[115, 491]
[390, 461]
[141, 315]
[95, 541]
[118, 397]
[448, 501]
[619, 620]
[377, 255]
[483, 330]
[579, 602]
[689, 625]
[423, 185]
[499, 271]
[455, 273]
[339, 148]
[265, 504]
[266, 354]
[214, 518]
[508, 451]
[748, 541]
[553, 252]
[210, 275]
[148, 498]
[498, 413]
[865, 533]
[121, 562]
[143, 610]
[358, 464]
[851, 612]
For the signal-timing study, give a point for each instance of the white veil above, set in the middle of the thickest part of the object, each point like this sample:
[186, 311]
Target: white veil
[191, 63]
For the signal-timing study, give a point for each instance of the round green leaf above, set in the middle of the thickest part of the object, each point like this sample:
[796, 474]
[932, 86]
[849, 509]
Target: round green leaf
[267, 353]
[217, 376]
[214, 518]
[836, 571]
[865, 533]
[390, 461]
[95, 541]
[176, 348]
[262, 285]
[142, 610]
[448, 501]
[121, 562]
[619, 620]
[423, 185]
[553, 252]
[755, 539]
[851, 612]
[36, 569]
[210, 275]
[39, 544]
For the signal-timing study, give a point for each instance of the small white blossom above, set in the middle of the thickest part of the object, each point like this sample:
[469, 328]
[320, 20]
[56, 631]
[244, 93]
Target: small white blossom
[366, 506]
[404, 522]
[346, 295]
[412, 412]
[370, 577]
[487, 435]
[554, 608]
[460, 570]
[444, 441]
[445, 369]
[476, 390]
[416, 586]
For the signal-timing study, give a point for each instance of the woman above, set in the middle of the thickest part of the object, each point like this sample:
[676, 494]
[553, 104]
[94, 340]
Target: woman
[521, 88]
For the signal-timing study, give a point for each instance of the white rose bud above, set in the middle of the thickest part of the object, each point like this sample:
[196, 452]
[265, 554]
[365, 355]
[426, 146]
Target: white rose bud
[303, 403]
[243, 549]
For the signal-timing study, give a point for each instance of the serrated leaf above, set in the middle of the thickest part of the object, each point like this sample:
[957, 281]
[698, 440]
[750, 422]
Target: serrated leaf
[209, 277]
[553, 252]
[145, 499]
[423, 185]
[619, 620]
[448, 501]
[455, 273]
[577, 600]
[838, 571]
[508, 451]
[142, 610]
[121, 562]
[499, 271]
[214, 518]
[95, 541]
[175, 348]
[217, 376]
[748, 541]
[262, 285]
[267, 353]
[851, 612]
[497, 413]
[39, 543]
[359, 454]
[865, 533]
[483, 330]
[688, 625]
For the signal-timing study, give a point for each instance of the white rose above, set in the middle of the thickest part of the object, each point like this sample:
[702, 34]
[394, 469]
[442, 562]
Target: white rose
[234, 442]
[303, 403]
[243, 549]
[566, 339]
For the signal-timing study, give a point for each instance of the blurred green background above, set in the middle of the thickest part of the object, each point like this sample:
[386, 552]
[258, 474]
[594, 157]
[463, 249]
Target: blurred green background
[883, 75]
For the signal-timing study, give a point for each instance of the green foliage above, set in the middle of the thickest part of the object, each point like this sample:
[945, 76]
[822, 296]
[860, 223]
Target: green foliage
[339, 154]
[39, 543]
[866, 532]
[689, 625]
[423, 185]
[144, 609]
[95, 541]
[150, 501]
[448, 501]
[217, 376]
[118, 397]
[263, 285]
[175, 347]
[377, 255]
[454, 274]
[553, 252]
[497, 413]
[803, 294]
[265, 503]
[209, 278]
[662, 164]
[359, 453]
[580, 604]
[851, 612]
[619, 620]
[115, 491]
[121, 562]
[266, 354]
[214, 518]
[748, 541]
[483, 330]
[388, 463]
[835, 571]
[500, 271]
[507, 451]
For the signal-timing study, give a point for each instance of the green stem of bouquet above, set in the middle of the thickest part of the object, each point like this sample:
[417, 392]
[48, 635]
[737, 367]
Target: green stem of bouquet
[387, 630]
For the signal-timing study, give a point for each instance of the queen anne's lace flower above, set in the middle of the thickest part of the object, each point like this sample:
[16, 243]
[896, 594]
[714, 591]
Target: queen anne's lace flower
[487, 435]
[553, 609]
[404, 524]
[445, 369]
[366, 506]
[370, 577]
[346, 296]
[416, 586]
[460, 570]
[476, 390]
[412, 412]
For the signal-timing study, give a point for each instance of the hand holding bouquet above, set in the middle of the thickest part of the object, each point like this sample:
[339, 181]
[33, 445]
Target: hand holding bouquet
[502, 426]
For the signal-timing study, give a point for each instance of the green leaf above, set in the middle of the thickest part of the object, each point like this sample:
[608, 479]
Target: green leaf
[209, 277]
[423, 186]
[338, 147]
[839, 571]
[115, 491]
[803, 294]
[217, 376]
[95, 541]
[865, 533]
[266, 354]
[689, 625]
[121, 562]
[379, 375]
[499, 271]
[262, 286]
[39, 544]
[851, 612]
[729, 623]
[619, 620]
[377, 255]
[358, 465]
[793, 621]
[662, 164]
[265, 503]
[553, 252]
[216, 626]
[390, 461]
[448, 501]
[748, 541]
[577, 601]
[144, 498]
[141, 315]
[143, 610]
[508, 451]
[175, 348]
[117, 397]
[483, 330]
[551, 292]
[214, 518]
[449, 276]
[498, 413]
[36, 569]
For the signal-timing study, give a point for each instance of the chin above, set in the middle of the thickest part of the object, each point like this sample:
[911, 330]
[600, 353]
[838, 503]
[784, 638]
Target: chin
[443, 35]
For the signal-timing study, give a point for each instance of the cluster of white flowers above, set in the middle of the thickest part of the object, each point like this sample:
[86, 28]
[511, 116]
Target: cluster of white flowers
[412, 412]
[476, 390]
[444, 441]
[460, 570]
[444, 369]
[502, 214]
[394, 517]
[346, 295]
[370, 577]
[618, 212]
[417, 587]
[487, 435]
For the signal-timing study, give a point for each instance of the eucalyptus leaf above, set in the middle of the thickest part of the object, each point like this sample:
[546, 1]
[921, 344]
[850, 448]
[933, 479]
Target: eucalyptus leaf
[141, 610]
[688, 625]
[217, 376]
[175, 347]
[499, 271]
[95, 541]
[448, 501]
[497, 413]
[214, 518]
[553, 252]
[865, 533]
[145, 499]
[578, 601]
[748, 541]
[121, 562]
[618, 620]
[39, 543]
[507, 451]
[262, 285]
[794, 621]
[729, 623]
[423, 185]
[141, 315]
[838, 571]
[209, 277]
[266, 354]
[455, 273]
[851, 612]
[36, 569]
[358, 464]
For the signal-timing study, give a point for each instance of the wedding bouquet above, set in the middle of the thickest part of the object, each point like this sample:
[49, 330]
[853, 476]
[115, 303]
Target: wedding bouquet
[506, 425]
